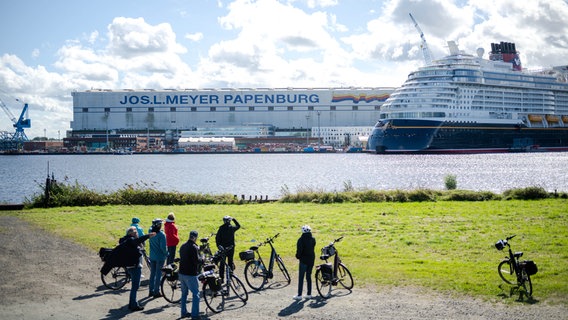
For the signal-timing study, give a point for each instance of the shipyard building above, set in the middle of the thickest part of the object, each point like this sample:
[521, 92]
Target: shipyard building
[150, 119]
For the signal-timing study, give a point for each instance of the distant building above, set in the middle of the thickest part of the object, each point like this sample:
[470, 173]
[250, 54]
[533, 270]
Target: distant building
[166, 115]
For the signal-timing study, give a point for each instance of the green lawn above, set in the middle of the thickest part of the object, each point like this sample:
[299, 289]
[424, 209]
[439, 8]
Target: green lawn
[445, 246]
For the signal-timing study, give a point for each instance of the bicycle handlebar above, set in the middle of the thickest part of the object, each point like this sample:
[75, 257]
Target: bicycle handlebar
[511, 237]
[336, 240]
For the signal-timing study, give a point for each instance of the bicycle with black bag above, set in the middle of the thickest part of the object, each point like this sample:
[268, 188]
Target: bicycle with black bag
[514, 271]
[329, 275]
[257, 273]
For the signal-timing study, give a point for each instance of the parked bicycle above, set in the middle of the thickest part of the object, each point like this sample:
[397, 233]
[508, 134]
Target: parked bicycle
[515, 272]
[329, 275]
[170, 285]
[256, 272]
[117, 277]
[217, 292]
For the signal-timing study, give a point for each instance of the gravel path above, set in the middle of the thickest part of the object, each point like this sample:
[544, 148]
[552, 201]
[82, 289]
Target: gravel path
[46, 277]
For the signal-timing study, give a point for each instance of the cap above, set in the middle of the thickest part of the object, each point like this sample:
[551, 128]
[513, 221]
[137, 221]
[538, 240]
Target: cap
[306, 229]
[157, 221]
[193, 234]
[135, 220]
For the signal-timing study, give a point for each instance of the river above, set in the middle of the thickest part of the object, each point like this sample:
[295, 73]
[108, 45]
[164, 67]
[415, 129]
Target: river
[270, 174]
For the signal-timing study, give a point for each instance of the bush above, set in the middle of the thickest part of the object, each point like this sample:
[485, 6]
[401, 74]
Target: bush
[529, 193]
[451, 182]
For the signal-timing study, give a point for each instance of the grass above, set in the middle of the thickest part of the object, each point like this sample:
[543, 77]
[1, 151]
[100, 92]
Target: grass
[446, 246]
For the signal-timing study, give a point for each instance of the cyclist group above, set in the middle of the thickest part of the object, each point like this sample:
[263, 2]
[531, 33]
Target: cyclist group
[162, 252]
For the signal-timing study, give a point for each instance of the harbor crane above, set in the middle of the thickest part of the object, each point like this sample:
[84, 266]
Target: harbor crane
[424, 45]
[20, 124]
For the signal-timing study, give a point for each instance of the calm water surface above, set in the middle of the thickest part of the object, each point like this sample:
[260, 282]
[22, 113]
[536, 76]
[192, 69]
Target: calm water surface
[268, 174]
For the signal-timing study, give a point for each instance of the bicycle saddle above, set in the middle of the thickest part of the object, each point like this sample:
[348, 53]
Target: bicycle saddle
[518, 254]
[254, 248]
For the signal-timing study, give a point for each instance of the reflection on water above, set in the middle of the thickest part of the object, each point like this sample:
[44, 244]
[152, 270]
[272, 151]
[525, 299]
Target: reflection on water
[268, 174]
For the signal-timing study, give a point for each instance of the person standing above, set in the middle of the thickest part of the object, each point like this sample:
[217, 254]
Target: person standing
[225, 238]
[172, 238]
[131, 257]
[188, 270]
[136, 223]
[158, 255]
[305, 252]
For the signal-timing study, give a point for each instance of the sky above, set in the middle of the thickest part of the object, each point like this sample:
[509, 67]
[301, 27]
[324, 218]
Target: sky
[50, 48]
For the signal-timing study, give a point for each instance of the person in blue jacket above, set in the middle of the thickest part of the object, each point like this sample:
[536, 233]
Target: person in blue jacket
[158, 255]
[136, 223]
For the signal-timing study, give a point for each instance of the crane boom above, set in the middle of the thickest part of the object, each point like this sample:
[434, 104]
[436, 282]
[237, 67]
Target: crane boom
[10, 115]
[424, 45]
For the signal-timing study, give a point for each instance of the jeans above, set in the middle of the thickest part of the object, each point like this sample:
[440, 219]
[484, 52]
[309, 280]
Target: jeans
[305, 270]
[189, 283]
[230, 260]
[155, 275]
[135, 274]
[171, 254]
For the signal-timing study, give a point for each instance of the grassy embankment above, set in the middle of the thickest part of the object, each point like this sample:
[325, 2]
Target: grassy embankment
[445, 246]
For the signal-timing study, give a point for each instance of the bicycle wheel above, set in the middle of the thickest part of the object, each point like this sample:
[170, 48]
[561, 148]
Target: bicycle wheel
[238, 287]
[255, 275]
[171, 290]
[507, 272]
[344, 277]
[323, 285]
[283, 269]
[116, 278]
[215, 300]
[526, 283]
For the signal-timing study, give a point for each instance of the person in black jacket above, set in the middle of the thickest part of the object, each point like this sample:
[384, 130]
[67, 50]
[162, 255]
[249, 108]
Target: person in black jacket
[307, 256]
[131, 257]
[225, 238]
[189, 262]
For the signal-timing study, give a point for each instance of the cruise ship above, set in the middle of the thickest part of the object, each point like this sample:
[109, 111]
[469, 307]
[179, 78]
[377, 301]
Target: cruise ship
[465, 103]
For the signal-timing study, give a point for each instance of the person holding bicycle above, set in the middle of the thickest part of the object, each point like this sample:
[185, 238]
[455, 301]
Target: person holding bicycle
[225, 238]
[131, 257]
[188, 270]
[305, 252]
[158, 255]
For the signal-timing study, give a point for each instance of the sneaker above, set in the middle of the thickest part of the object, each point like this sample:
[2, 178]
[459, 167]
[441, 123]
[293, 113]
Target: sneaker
[137, 308]
[297, 298]
[309, 296]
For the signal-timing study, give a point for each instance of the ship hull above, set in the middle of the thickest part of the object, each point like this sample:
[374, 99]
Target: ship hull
[429, 136]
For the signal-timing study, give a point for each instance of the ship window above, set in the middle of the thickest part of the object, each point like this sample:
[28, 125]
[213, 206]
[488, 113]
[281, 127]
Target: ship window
[270, 108]
[193, 108]
[107, 109]
[213, 109]
[173, 109]
[151, 109]
[290, 108]
[355, 108]
[85, 109]
[332, 108]
[251, 108]
[129, 109]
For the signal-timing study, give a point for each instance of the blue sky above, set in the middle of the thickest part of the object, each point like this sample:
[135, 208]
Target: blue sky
[51, 48]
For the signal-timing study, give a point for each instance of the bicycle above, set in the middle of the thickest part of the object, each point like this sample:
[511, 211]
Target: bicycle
[513, 271]
[328, 275]
[117, 277]
[214, 293]
[256, 273]
[170, 287]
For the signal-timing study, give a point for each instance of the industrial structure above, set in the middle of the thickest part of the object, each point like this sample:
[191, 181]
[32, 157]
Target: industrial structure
[14, 141]
[155, 120]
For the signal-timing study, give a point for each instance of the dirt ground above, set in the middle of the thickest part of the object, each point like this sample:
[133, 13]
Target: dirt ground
[46, 277]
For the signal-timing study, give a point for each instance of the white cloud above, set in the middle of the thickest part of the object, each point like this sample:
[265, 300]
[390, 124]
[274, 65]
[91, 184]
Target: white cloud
[269, 43]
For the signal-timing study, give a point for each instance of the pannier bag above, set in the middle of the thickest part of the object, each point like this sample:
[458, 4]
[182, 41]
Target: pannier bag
[173, 276]
[246, 255]
[530, 267]
[214, 282]
[326, 271]
[103, 253]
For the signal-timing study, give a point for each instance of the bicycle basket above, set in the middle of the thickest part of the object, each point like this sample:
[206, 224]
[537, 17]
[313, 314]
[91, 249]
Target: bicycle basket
[328, 251]
[500, 245]
[104, 252]
[529, 266]
[246, 255]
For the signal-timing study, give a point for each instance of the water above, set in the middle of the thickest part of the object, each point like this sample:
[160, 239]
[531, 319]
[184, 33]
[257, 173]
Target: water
[268, 174]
